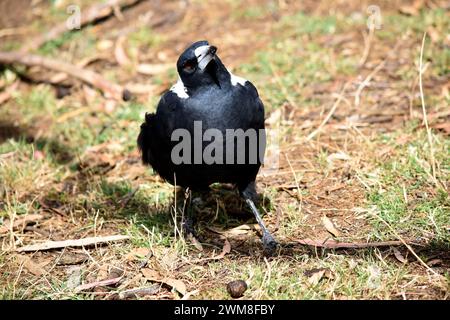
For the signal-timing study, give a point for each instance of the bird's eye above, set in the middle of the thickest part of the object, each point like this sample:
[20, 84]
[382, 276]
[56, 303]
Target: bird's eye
[189, 66]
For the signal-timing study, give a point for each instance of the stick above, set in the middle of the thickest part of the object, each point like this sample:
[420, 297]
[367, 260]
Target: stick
[405, 243]
[71, 243]
[107, 282]
[94, 13]
[140, 292]
[111, 90]
[333, 244]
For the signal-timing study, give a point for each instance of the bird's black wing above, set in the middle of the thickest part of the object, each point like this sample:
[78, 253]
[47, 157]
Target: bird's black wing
[154, 140]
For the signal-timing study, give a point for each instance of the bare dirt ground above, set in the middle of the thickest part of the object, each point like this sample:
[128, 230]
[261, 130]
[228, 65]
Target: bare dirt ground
[357, 163]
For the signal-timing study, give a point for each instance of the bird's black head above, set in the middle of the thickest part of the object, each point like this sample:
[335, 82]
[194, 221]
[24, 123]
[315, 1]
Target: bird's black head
[199, 65]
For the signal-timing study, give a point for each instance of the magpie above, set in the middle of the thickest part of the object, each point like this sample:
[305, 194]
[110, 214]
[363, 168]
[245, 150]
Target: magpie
[221, 118]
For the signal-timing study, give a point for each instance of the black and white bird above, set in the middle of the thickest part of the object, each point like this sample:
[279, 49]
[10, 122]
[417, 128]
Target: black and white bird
[207, 98]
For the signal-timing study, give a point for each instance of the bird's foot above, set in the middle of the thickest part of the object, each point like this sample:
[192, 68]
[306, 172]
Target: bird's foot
[269, 244]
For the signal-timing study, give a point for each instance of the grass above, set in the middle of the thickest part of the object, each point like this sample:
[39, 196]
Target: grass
[86, 167]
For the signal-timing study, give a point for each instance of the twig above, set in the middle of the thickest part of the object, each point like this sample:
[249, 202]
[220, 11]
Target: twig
[406, 244]
[140, 292]
[111, 90]
[94, 13]
[71, 243]
[333, 244]
[329, 115]
[107, 282]
[425, 119]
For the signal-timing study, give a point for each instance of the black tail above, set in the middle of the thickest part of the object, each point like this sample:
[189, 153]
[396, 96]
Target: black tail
[145, 138]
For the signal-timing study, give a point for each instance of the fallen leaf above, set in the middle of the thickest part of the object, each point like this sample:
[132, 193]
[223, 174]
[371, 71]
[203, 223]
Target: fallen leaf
[139, 292]
[169, 260]
[195, 242]
[374, 279]
[74, 279]
[442, 126]
[226, 249]
[151, 274]
[176, 284]
[239, 230]
[434, 262]
[328, 224]
[190, 294]
[137, 254]
[315, 275]
[398, 255]
[32, 266]
[71, 258]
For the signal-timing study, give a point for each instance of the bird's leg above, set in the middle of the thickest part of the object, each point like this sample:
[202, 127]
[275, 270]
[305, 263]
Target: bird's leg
[249, 193]
[269, 242]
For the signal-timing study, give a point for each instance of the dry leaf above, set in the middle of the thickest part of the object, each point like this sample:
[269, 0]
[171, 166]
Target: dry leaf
[74, 279]
[445, 126]
[239, 230]
[328, 224]
[315, 275]
[195, 242]
[32, 266]
[398, 255]
[71, 258]
[137, 254]
[176, 284]
[151, 274]
[226, 249]
[434, 262]
[154, 276]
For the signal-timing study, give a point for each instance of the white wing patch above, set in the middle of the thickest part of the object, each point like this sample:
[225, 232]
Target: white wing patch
[180, 89]
[235, 80]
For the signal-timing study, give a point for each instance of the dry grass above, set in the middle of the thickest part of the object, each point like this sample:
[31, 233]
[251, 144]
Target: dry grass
[352, 148]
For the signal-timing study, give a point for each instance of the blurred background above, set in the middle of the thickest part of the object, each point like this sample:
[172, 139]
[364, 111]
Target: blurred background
[363, 149]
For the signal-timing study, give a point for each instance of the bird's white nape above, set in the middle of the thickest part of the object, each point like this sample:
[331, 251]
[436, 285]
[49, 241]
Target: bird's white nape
[235, 80]
[179, 89]
[203, 56]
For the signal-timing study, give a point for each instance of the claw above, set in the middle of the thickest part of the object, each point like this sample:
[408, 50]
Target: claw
[269, 244]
